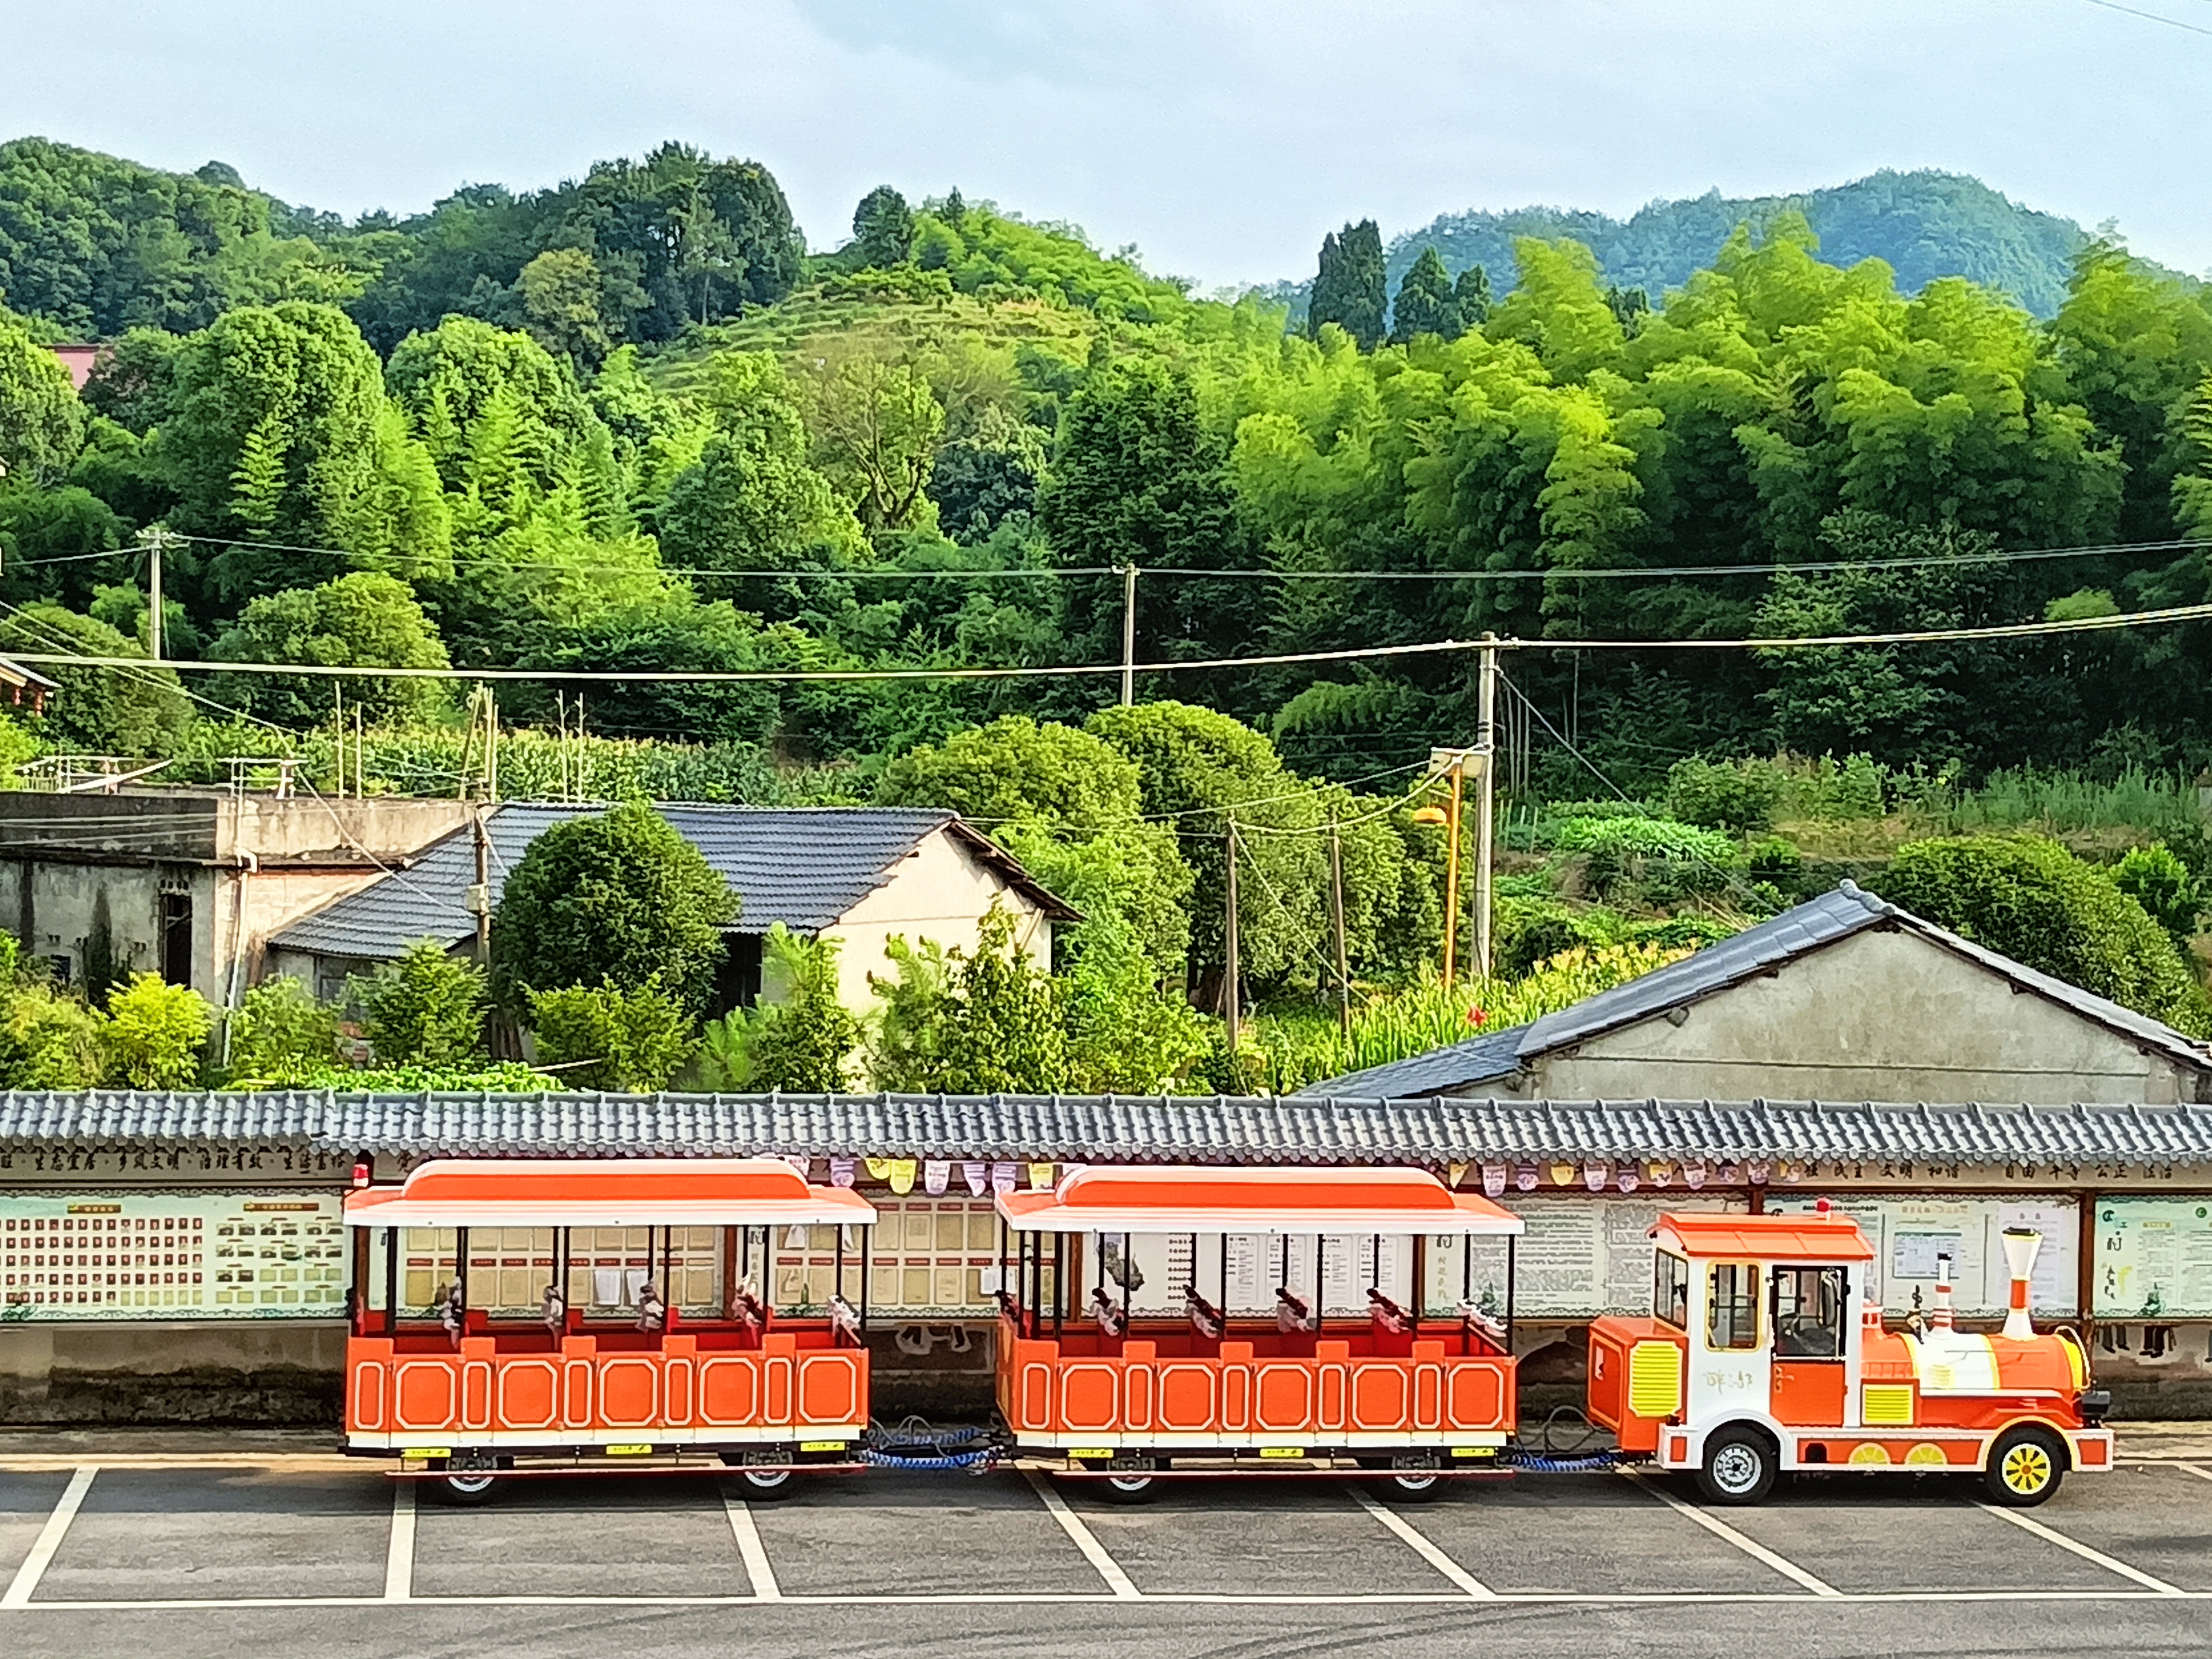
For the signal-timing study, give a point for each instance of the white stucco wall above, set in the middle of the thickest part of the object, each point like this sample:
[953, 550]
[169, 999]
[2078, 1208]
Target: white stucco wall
[1879, 1016]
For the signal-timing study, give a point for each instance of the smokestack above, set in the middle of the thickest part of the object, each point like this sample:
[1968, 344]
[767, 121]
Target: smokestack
[1939, 1317]
[2021, 1244]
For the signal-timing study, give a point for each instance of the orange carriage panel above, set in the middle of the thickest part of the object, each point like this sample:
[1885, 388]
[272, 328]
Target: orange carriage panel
[369, 1374]
[832, 1386]
[1187, 1398]
[1090, 1397]
[676, 1378]
[527, 1394]
[1237, 1397]
[1037, 1395]
[426, 1389]
[729, 1390]
[1379, 1396]
[1478, 1394]
[629, 1391]
[476, 1388]
[1428, 1394]
[1286, 1397]
[1808, 1392]
[576, 1385]
[777, 1375]
[1137, 1383]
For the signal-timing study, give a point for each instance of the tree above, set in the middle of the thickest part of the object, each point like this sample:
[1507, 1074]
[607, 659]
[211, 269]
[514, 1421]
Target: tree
[99, 711]
[155, 1033]
[41, 421]
[426, 1009]
[875, 424]
[604, 1036]
[799, 1040]
[1425, 303]
[883, 229]
[2035, 902]
[618, 898]
[280, 1036]
[559, 291]
[367, 619]
[49, 1039]
[1016, 770]
[2158, 881]
[987, 476]
[985, 1021]
[1471, 298]
[1349, 288]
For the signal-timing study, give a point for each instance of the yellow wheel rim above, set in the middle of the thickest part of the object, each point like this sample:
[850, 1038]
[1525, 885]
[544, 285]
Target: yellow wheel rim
[2025, 1469]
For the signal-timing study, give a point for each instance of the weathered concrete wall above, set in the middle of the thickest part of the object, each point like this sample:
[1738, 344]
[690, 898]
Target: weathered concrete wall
[203, 1374]
[1881, 1016]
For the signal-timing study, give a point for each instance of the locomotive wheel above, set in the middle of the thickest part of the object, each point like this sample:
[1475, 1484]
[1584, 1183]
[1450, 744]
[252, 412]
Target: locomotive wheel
[1738, 1468]
[2025, 1467]
[1416, 1479]
[1132, 1480]
[468, 1479]
[761, 1483]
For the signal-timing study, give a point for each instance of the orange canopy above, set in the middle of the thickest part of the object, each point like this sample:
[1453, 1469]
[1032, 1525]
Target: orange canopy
[1166, 1199]
[640, 1192]
[1768, 1238]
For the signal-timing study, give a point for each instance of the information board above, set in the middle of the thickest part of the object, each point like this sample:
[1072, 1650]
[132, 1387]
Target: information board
[2154, 1258]
[1909, 1230]
[1239, 1271]
[171, 1255]
[1581, 1256]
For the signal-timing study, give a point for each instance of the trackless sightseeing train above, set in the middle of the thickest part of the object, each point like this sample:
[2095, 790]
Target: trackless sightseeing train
[1763, 1351]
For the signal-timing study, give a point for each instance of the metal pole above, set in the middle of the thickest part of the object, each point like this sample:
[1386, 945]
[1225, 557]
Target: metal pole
[1510, 1241]
[1336, 915]
[154, 539]
[1128, 634]
[391, 1281]
[1451, 874]
[1231, 993]
[1485, 747]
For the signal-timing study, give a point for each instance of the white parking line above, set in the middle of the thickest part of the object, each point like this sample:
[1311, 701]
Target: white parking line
[1421, 1547]
[751, 1550]
[49, 1539]
[1752, 1547]
[2201, 1474]
[2051, 1536]
[399, 1551]
[1120, 1582]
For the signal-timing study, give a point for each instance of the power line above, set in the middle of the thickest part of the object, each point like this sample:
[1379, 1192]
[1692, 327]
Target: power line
[2151, 16]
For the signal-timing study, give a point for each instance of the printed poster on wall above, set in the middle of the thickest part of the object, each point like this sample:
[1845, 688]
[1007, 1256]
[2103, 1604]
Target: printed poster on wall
[2154, 1258]
[1579, 1257]
[1239, 1271]
[1909, 1231]
[171, 1255]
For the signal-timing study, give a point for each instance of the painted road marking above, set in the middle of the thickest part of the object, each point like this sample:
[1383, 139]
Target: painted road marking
[2082, 1550]
[751, 1550]
[2201, 1474]
[1421, 1547]
[1124, 1588]
[399, 1552]
[1750, 1546]
[48, 1539]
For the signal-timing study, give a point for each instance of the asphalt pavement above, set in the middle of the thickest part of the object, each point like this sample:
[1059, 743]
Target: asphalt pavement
[280, 1553]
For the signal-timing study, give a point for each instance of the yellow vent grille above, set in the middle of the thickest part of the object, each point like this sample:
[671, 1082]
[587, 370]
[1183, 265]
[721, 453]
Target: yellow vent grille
[1655, 1379]
[1885, 1404]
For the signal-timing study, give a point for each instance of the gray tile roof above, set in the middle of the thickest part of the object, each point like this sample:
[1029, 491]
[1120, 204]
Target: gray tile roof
[1097, 1128]
[1796, 933]
[803, 867]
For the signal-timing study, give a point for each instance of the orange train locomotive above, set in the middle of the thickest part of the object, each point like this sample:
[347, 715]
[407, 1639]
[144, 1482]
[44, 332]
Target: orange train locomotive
[1156, 1322]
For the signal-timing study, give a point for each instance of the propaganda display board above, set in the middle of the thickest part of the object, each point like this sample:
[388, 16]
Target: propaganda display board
[2154, 1258]
[1581, 1256]
[1239, 1271]
[1909, 1230]
[143, 1254]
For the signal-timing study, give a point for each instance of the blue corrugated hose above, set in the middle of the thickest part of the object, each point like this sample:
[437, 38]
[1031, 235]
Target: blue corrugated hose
[943, 1461]
[1549, 1463]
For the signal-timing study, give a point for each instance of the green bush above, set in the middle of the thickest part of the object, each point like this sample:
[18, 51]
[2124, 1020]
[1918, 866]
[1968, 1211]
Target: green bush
[1737, 797]
[2035, 902]
[281, 1035]
[606, 1036]
[155, 1033]
[2158, 881]
[50, 1040]
[508, 1076]
[426, 1009]
[801, 1041]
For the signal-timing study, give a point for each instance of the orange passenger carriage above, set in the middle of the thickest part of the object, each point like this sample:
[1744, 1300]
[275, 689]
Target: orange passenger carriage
[1765, 1353]
[512, 1316]
[1161, 1320]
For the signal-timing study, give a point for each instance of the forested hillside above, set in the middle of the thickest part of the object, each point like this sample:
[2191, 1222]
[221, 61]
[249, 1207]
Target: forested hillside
[629, 424]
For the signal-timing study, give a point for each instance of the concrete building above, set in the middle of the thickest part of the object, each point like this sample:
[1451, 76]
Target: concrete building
[857, 875]
[1845, 998]
[190, 884]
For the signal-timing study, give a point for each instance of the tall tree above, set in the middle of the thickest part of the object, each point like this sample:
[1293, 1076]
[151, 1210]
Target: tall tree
[1350, 288]
[883, 228]
[41, 422]
[1425, 303]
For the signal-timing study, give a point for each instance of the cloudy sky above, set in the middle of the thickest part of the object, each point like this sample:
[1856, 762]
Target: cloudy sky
[1221, 136]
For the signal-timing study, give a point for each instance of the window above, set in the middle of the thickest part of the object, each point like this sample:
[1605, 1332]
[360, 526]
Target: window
[1732, 1305]
[737, 976]
[1808, 1313]
[176, 936]
[1670, 1290]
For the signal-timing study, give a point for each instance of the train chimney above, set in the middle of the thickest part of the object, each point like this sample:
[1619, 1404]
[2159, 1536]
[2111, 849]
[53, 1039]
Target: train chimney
[1939, 1317]
[2020, 1245]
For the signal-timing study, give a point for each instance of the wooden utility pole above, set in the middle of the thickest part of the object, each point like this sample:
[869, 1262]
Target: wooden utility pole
[1231, 996]
[1336, 915]
[1128, 633]
[338, 731]
[480, 895]
[1486, 750]
[1458, 764]
[152, 539]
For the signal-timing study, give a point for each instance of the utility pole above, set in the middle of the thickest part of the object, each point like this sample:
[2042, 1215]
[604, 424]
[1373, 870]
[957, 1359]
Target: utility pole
[1336, 915]
[480, 895]
[1458, 766]
[338, 731]
[1486, 749]
[1231, 994]
[1128, 633]
[152, 539]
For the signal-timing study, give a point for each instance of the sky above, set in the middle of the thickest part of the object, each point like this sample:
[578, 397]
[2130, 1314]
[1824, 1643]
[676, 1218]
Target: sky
[1221, 137]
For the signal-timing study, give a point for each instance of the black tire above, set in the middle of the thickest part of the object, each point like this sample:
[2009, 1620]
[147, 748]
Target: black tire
[1415, 1480]
[762, 1484]
[465, 1482]
[1132, 1480]
[1739, 1467]
[2026, 1466]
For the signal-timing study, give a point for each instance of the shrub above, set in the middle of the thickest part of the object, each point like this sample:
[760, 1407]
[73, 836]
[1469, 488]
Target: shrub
[803, 1041]
[604, 1036]
[155, 1033]
[281, 1035]
[426, 1009]
[50, 1040]
[508, 1076]
[1735, 796]
[2158, 881]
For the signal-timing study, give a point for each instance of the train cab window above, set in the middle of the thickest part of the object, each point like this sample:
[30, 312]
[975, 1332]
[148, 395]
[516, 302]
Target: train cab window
[1732, 1305]
[1670, 1290]
[1808, 1313]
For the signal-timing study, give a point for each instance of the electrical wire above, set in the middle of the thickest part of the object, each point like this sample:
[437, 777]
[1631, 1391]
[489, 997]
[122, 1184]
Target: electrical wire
[2151, 16]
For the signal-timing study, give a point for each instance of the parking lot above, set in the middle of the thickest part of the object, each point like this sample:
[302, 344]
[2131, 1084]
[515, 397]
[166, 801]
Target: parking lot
[300, 1553]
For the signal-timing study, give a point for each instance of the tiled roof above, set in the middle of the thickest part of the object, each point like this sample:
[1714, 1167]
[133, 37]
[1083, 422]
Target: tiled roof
[803, 867]
[1779, 940]
[1102, 1129]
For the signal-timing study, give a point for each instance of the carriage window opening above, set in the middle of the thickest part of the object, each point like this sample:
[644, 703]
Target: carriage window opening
[1670, 1290]
[1808, 1313]
[1732, 1305]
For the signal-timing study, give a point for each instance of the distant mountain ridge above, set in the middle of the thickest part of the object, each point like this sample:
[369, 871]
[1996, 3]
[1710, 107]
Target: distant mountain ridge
[1926, 224]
